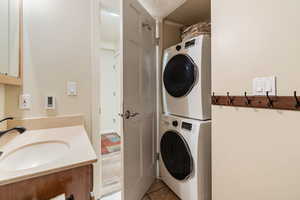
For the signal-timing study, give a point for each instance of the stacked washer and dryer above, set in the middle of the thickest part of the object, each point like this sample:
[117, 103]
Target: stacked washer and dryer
[185, 136]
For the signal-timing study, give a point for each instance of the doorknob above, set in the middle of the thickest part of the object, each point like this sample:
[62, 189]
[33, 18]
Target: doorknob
[128, 114]
[134, 114]
[125, 115]
[146, 25]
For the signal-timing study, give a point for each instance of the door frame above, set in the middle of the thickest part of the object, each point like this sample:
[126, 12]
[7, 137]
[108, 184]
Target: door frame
[95, 96]
[95, 88]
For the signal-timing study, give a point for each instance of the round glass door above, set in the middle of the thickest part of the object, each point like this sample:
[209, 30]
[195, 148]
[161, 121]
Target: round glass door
[180, 75]
[176, 155]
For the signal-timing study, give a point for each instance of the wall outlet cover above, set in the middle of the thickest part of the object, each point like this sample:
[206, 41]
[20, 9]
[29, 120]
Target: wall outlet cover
[263, 85]
[25, 101]
[72, 88]
[50, 103]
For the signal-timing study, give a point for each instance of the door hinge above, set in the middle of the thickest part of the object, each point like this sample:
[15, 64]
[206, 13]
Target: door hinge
[157, 156]
[157, 41]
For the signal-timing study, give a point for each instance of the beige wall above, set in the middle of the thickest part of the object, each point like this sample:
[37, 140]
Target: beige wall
[256, 153]
[171, 34]
[57, 49]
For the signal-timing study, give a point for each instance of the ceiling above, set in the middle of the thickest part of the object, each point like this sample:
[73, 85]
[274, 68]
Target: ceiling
[193, 11]
[159, 9]
[111, 5]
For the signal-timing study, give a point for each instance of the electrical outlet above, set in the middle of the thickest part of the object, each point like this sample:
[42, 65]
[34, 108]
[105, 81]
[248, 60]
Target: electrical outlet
[25, 101]
[50, 103]
[71, 88]
[263, 85]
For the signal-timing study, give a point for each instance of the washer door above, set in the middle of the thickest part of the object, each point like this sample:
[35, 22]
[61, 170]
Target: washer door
[180, 75]
[176, 155]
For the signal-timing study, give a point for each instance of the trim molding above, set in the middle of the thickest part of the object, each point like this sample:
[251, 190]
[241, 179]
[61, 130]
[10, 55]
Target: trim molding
[95, 96]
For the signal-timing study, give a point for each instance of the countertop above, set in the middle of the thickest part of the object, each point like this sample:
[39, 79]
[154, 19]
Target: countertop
[80, 152]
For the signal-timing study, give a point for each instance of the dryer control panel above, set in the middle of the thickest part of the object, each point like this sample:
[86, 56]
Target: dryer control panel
[186, 126]
[175, 123]
[190, 43]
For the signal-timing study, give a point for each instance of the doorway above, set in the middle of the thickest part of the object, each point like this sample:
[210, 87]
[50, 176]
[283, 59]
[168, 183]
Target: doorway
[127, 81]
[110, 98]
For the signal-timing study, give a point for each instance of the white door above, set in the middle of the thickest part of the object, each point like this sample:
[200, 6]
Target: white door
[139, 98]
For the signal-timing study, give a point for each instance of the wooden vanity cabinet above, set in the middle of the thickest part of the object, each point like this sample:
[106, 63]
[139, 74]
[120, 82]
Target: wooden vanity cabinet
[77, 182]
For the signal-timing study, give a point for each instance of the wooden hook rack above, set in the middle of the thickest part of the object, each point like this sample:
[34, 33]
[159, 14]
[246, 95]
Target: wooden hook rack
[265, 102]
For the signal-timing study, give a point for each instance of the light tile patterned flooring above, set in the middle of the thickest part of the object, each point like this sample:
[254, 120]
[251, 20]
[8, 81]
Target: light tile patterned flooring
[111, 173]
[159, 191]
[114, 196]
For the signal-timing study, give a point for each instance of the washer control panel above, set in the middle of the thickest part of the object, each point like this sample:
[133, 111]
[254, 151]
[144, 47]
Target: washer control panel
[173, 123]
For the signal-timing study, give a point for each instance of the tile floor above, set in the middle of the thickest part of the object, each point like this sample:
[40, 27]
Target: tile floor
[111, 163]
[158, 191]
[115, 196]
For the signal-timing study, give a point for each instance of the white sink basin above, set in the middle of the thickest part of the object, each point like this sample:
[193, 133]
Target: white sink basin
[33, 155]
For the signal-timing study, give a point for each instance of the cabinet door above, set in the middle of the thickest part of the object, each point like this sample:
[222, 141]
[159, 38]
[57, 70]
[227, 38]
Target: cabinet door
[77, 182]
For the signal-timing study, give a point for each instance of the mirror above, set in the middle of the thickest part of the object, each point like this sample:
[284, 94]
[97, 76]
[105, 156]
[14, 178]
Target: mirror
[10, 42]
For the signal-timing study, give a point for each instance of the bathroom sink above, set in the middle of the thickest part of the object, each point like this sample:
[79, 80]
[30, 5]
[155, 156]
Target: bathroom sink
[33, 155]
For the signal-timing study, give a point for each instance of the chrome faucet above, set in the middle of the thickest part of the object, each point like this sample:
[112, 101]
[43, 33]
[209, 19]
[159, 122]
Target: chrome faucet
[18, 129]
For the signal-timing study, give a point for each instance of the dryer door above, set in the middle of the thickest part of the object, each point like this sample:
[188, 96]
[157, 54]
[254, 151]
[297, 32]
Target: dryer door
[176, 155]
[180, 75]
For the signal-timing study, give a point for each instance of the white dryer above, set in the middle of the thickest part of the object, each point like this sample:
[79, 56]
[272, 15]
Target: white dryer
[186, 78]
[185, 157]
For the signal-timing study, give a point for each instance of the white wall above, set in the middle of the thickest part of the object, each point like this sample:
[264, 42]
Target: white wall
[109, 90]
[109, 70]
[111, 26]
[57, 48]
[255, 152]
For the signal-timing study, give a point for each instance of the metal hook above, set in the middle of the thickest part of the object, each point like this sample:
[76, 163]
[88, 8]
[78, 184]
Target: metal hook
[229, 99]
[270, 101]
[297, 100]
[215, 100]
[248, 101]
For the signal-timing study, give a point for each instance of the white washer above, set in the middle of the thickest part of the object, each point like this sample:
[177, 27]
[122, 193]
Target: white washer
[186, 78]
[185, 157]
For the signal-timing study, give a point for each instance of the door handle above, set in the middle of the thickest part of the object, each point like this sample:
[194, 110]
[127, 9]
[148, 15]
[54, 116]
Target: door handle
[146, 25]
[128, 114]
[134, 114]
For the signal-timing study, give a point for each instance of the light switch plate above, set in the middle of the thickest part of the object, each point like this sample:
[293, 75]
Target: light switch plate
[263, 85]
[25, 101]
[50, 103]
[72, 88]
